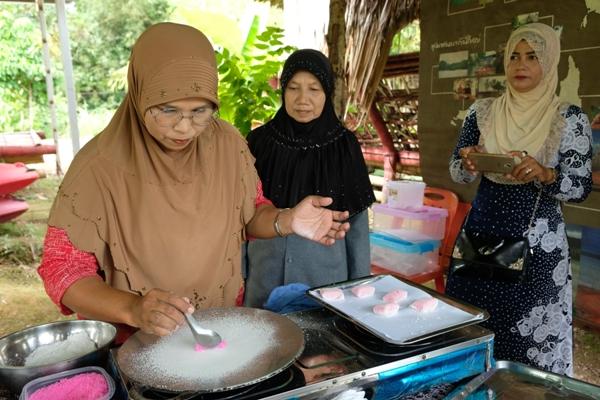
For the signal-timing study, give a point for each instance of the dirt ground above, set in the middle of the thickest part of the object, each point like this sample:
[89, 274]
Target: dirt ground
[23, 301]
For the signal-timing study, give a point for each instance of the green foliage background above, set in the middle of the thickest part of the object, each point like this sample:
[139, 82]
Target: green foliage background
[101, 37]
[103, 33]
[407, 40]
[22, 82]
[248, 81]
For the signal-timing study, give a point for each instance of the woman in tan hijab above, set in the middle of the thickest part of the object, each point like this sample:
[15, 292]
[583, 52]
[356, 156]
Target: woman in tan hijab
[532, 318]
[149, 220]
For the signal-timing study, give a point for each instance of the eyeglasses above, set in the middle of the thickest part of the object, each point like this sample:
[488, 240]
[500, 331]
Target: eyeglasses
[168, 117]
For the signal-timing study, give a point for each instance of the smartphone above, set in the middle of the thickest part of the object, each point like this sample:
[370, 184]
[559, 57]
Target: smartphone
[491, 162]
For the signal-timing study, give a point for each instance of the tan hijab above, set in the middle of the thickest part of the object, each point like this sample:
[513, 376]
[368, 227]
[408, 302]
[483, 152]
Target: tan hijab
[153, 221]
[523, 121]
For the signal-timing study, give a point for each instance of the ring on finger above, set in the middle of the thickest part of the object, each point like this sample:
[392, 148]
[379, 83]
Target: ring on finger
[528, 171]
[523, 154]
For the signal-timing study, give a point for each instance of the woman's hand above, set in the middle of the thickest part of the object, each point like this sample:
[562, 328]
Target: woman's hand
[311, 220]
[469, 165]
[159, 312]
[529, 169]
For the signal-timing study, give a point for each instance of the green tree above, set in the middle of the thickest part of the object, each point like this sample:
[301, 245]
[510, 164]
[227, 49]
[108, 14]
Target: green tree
[102, 34]
[247, 82]
[407, 40]
[22, 82]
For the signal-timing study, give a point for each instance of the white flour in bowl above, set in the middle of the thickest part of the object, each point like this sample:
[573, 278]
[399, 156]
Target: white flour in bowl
[173, 358]
[76, 345]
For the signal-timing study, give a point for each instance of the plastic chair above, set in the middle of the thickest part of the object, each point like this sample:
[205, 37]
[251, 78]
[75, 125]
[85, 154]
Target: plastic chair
[457, 211]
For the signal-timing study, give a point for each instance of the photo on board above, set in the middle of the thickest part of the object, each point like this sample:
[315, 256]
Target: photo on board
[485, 64]
[457, 6]
[453, 65]
[523, 19]
[491, 86]
[465, 88]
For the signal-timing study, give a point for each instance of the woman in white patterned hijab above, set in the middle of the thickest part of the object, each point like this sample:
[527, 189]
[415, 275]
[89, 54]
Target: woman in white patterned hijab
[524, 120]
[531, 316]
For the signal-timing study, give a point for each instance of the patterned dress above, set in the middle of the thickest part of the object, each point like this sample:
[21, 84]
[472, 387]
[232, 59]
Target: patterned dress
[532, 321]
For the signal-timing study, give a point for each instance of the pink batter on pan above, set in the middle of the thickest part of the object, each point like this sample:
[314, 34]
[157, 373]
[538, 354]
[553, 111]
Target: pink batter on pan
[363, 291]
[386, 309]
[425, 305]
[199, 348]
[395, 296]
[86, 386]
[332, 294]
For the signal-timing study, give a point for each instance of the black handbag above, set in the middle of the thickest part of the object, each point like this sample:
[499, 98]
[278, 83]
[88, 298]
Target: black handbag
[491, 257]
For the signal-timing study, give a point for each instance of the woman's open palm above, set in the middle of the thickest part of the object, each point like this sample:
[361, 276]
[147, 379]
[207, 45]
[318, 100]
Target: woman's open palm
[312, 221]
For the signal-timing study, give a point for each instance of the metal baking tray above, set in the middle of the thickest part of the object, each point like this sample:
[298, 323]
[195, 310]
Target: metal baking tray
[512, 380]
[407, 326]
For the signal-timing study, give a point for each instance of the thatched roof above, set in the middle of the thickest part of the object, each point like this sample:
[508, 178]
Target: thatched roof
[370, 29]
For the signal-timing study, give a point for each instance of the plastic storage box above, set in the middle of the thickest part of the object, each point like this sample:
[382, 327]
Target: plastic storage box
[33, 386]
[426, 223]
[405, 194]
[407, 258]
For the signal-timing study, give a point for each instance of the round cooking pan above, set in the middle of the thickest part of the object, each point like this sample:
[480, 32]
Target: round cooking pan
[259, 344]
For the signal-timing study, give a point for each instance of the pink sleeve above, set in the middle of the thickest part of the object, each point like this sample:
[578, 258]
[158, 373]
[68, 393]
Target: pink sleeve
[62, 265]
[260, 197]
[260, 201]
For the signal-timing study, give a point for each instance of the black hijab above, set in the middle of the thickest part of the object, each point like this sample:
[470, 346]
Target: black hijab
[322, 157]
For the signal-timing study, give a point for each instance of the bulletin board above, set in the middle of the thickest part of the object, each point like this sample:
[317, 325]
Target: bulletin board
[462, 44]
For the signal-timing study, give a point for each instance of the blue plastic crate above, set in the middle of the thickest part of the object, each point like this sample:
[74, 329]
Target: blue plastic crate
[407, 258]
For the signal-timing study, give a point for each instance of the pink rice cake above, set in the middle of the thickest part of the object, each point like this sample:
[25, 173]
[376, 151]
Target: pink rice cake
[332, 294]
[386, 309]
[362, 291]
[199, 348]
[425, 305]
[395, 296]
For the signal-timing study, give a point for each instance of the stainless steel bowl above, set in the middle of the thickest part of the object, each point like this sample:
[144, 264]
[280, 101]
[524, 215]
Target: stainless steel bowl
[16, 347]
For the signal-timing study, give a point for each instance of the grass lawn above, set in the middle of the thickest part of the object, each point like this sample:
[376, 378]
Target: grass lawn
[23, 301]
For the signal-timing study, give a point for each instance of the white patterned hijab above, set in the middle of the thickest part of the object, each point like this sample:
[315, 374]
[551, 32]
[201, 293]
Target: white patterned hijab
[524, 121]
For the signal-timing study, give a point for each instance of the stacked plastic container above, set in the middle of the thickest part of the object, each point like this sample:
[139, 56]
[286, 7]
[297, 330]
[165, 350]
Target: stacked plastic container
[406, 235]
[85, 383]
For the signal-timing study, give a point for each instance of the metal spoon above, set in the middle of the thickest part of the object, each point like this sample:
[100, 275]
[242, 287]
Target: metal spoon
[206, 338]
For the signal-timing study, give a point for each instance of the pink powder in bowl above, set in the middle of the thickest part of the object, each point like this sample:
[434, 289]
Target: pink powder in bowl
[87, 386]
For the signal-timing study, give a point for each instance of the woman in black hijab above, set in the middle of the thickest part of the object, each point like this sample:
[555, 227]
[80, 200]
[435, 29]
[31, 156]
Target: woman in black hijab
[305, 149]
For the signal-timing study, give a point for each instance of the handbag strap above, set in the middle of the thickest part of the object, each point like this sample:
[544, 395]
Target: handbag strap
[537, 203]
[535, 208]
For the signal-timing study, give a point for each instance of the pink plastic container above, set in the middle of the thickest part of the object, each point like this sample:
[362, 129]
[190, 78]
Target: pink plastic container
[425, 223]
[405, 194]
[62, 387]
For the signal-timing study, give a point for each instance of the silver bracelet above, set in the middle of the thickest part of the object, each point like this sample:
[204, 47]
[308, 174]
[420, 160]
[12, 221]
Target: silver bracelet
[276, 226]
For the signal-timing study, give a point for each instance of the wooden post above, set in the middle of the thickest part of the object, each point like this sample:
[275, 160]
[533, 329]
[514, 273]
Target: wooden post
[49, 81]
[65, 51]
[336, 43]
[391, 159]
